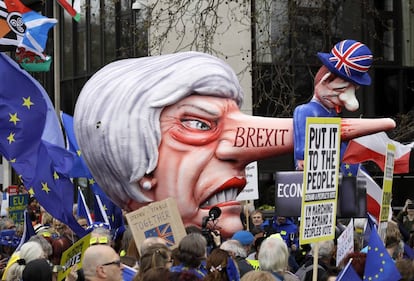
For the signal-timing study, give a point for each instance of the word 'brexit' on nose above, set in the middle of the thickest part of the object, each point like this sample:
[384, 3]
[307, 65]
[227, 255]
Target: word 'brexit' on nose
[259, 137]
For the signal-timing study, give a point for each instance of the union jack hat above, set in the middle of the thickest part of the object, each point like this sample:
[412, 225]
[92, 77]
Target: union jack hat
[350, 60]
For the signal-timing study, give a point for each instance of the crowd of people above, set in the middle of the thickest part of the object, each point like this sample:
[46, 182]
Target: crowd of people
[267, 249]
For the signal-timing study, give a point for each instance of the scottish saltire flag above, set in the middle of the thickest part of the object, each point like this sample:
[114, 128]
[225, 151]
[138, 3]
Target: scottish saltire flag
[348, 273]
[163, 231]
[29, 140]
[28, 230]
[36, 35]
[37, 27]
[83, 209]
[12, 28]
[99, 211]
[113, 212]
[80, 169]
[379, 265]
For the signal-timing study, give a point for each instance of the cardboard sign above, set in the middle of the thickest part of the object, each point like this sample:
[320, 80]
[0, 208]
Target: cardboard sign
[73, 255]
[320, 179]
[161, 219]
[17, 205]
[387, 183]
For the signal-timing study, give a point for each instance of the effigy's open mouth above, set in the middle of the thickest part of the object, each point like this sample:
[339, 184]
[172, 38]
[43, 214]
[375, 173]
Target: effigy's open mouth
[227, 192]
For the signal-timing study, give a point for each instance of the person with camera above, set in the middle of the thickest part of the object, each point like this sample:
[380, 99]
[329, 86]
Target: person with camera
[406, 218]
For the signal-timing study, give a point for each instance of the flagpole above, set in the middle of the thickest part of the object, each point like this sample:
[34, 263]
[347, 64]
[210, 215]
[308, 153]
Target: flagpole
[6, 174]
[56, 58]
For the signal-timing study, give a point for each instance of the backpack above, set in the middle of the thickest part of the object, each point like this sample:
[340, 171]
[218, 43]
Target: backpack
[304, 269]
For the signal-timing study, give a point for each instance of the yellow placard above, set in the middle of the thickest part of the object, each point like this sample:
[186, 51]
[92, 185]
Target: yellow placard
[387, 183]
[320, 179]
[73, 255]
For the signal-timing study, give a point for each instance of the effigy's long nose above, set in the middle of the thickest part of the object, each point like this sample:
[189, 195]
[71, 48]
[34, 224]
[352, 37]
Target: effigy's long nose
[248, 138]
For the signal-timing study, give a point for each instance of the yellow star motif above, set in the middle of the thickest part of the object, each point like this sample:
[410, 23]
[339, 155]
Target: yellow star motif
[13, 160]
[55, 176]
[78, 152]
[13, 118]
[27, 102]
[31, 191]
[91, 181]
[10, 138]
[105, 208]
[45, 188]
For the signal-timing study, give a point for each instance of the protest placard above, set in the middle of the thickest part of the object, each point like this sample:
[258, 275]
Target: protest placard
[387, 183]
[73, 255]
[345, 244]
[251, 190]
[159, 219]
[320, 179]
[17, 205]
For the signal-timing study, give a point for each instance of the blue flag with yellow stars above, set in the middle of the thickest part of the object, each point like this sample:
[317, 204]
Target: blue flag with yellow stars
[30, 139]
[80, 169]
[379, 265]
[348, 273]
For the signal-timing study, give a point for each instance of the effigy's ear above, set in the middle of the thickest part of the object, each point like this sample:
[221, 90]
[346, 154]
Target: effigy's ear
[147, 182]
[324, 78]
[321, 89]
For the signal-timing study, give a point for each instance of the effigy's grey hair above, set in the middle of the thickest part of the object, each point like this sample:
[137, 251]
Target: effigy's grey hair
[117, 114]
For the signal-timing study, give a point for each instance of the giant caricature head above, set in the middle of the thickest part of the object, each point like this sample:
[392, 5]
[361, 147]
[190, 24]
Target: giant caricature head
[344, 69]
[170, 126]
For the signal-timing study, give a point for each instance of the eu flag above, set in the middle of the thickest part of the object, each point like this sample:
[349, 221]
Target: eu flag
[379, 265]
[30, 140]
[348, 273]
[80, 169]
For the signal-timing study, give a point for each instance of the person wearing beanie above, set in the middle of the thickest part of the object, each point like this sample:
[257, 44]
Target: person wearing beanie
[245, 238]
[38, 270]
[238, 251]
